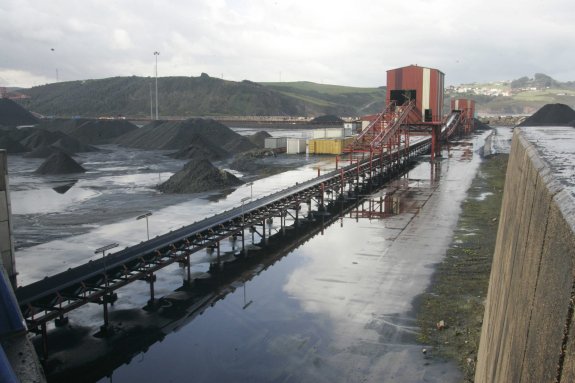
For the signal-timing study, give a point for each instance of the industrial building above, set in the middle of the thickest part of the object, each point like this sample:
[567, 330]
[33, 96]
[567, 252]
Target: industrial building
[467, 108]
[414, 107]
[424, 85]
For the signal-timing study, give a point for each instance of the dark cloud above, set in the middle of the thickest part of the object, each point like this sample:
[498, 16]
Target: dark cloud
[349, 43]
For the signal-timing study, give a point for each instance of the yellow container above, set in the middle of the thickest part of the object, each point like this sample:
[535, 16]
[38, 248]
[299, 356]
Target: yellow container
[328, 145]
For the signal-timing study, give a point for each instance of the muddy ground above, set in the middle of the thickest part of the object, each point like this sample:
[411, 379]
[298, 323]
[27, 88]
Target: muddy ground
[459, 285]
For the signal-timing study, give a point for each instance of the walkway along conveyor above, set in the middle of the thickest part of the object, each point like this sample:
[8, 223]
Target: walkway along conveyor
[95, 282]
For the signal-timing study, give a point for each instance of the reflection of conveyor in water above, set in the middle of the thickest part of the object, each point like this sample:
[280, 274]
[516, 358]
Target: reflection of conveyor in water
[182, 306]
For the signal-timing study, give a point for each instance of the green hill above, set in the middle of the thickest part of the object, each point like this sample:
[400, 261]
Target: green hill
[198, 96]
[363, 100]
[208, 96]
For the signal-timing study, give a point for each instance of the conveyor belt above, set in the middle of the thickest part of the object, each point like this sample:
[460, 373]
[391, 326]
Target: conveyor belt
[34, 293]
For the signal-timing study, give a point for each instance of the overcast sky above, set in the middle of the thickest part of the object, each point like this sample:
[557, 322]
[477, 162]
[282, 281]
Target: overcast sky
[351, 42]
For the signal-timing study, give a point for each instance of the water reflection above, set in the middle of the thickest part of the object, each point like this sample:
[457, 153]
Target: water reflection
[135, 333]
[338, 282]
[44, 200]
[338, 308]
[62, 189]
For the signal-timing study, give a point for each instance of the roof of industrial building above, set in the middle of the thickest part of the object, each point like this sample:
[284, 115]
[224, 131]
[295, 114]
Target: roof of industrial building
[415, 66]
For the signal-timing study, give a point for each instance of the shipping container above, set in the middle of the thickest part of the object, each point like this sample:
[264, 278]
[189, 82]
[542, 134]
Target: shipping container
[328, 145]
[275, 142]
[296, 145]
[425, 85]
[328, 133]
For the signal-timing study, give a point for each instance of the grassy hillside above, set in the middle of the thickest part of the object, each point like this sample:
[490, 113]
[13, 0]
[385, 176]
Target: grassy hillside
[364, 100]
[207, 96]
[198, 96]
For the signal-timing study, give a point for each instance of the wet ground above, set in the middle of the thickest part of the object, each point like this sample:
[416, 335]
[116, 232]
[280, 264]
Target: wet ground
[337, 308]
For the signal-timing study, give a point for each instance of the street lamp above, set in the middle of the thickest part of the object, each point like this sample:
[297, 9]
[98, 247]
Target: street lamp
[57, 77]
[107, 298]
[103, 250]
[242, 201]
[156, 54]
[151, 103]
[145, 215]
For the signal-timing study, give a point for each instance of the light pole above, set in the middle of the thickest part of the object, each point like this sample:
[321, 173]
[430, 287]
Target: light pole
[145, 215]
[156, 54]
[243, 200]
[107, 297]
[57, 77]
[151, 103]
[103, 250]
[243, 221]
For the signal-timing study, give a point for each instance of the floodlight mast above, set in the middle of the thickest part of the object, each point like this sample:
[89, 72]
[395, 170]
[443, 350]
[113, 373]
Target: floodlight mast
[156, 54]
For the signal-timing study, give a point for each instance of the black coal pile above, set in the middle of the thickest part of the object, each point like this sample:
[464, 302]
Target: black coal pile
[71, 145]
[178, 135]
[9, 144]
[551, 115]
[43, 152]
[41, 143]
[60, 163]
[63, 189]
[328, 119]
[259, 138]
[39, 137]
[100, 132]
[199, 148]
[12, 114]
[252, 161]
[90, 131]
[20, 133]
[480, 125]
[199, 176]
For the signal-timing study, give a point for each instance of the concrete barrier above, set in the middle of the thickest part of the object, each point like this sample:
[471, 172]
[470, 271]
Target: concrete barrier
[528, 329]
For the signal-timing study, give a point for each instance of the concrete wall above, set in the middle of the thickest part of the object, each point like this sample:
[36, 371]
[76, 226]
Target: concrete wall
[528, 319]
[6, 241]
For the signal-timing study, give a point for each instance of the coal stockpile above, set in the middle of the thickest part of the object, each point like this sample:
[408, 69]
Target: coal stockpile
[42, 152]
[480, 125]
[60, 163]
[39, 141]
[251, 161]
[101, 132]
[551, 115]
[90, 131]
[259, 138]
[199, 176]
[38, 138]
[328, 119]
[71, 145]
[178, 135]
[199, 148]
[10, 145]
[12, 114]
